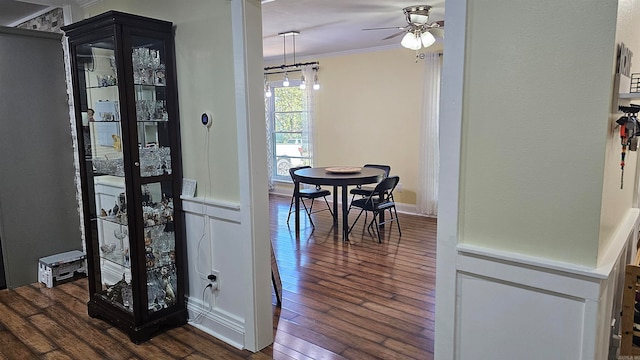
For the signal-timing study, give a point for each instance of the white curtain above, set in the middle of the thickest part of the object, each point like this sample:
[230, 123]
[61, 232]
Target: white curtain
[427, 197]
[270, 145]
[310, 106]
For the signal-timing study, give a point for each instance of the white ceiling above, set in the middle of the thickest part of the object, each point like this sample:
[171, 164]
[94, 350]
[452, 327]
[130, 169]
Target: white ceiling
[325, 26]
[330, 26]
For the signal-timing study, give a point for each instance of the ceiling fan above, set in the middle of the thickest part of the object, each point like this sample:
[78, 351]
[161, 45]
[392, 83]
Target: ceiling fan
[418, 32]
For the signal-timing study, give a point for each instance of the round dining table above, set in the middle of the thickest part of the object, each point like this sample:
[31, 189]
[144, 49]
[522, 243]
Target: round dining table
[336, 176]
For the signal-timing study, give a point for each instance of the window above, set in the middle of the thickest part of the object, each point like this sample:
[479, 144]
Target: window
[289, 123]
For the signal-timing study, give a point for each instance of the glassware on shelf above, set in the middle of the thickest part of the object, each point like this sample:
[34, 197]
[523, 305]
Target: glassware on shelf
[155, 161]
[120, 292]
[151, 110]
[114, 166]
[127, 296]
[121, 233]
[107, 249]
[106, 80]
[161, 287]
[146, 64]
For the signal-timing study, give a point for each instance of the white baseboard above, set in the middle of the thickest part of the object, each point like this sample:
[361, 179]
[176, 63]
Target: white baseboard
[216, 323]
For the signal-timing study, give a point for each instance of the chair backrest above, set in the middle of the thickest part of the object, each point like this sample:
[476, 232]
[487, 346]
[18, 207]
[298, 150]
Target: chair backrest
[293, 169]
[384, 189]
[386, 168]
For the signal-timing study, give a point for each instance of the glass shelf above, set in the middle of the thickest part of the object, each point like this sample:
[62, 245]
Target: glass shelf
[118, 257]
[150, 85]
[103, 87]
[113, 219]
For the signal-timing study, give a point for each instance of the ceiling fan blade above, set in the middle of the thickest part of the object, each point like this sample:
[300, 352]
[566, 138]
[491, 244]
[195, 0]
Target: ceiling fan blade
[386, 28]
[437, 32]
[394, 35]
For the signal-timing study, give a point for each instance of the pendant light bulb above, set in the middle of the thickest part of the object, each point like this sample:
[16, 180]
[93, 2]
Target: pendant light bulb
[267, 87]
[286, 79]
[316, 84]
[303, 83]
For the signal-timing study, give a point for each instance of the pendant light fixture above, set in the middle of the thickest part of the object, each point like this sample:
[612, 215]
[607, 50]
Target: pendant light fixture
[285, 68]
[293, 34]
[267, 87]
[316, 84]
[303, 82]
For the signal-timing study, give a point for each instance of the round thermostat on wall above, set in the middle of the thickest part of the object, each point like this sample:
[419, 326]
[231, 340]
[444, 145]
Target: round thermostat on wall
[206, 120]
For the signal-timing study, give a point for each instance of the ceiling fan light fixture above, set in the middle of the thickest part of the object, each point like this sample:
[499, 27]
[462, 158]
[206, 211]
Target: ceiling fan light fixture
[316, 84]
[418, 14]
[427, 39]
[285, 82]
[411, 41]
[418, 19]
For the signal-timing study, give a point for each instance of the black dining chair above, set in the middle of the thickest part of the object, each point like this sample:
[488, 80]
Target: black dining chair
[364, 191]
[379, 200]
[309, 194]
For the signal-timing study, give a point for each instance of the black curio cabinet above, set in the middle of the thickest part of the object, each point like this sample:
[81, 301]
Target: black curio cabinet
[126, 110]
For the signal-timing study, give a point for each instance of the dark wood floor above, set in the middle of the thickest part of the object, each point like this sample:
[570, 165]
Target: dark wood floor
[354, 300]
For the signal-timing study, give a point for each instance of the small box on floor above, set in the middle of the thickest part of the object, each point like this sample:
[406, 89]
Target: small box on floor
[55, 269]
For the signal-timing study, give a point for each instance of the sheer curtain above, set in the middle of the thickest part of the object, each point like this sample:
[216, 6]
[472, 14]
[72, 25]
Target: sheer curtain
[270, 145]
[427, 197]
[310, 106]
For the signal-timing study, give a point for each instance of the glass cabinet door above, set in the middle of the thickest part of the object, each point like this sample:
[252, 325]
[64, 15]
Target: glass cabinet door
[154, 150]
[103, 147]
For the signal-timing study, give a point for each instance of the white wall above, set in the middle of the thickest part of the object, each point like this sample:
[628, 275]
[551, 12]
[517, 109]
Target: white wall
[535, 126]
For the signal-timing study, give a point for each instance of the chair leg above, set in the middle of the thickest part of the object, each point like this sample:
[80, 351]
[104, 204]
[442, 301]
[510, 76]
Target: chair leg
[355, 221]
[375, 224]
[308, 211]
[290, 206]
[329, 207]
[397, 220]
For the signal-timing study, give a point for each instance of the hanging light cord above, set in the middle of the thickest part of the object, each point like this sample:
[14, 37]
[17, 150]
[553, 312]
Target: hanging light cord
[284, 49]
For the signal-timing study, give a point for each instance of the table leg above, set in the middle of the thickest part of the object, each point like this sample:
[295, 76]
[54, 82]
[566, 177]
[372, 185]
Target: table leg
[335, 205]
[296, 190]
[345, 215]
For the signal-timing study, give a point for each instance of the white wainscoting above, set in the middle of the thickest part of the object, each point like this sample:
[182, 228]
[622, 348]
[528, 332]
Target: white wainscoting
[510, 306]
[211, 245]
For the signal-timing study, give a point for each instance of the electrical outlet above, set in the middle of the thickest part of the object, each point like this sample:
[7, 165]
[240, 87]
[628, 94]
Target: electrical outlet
[214, 276]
